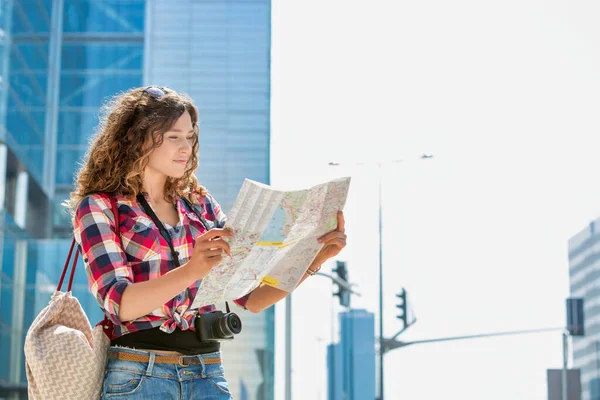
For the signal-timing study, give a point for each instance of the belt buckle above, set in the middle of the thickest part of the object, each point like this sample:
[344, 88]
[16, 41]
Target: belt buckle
[185, 361]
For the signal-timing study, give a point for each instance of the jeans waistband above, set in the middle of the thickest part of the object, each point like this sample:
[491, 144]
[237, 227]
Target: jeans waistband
[149, 363]
[182, 360]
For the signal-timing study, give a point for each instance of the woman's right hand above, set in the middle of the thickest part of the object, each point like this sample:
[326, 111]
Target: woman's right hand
[208, 251]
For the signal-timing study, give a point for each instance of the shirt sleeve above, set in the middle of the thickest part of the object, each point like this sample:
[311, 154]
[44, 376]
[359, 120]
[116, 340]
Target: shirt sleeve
[242, 301]
[96, 231]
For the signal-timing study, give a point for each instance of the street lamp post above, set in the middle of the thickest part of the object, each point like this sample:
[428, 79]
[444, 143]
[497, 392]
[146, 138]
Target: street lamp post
[288, 347]
[380, 228]
[380, 284]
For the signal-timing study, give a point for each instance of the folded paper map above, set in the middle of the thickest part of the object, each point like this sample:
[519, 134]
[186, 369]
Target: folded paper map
[275, 238]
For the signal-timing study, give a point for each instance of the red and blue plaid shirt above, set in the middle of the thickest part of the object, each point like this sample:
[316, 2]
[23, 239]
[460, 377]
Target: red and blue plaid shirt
[143, 255]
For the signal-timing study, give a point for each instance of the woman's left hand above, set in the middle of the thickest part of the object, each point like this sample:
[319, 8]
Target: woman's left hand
[333, 242]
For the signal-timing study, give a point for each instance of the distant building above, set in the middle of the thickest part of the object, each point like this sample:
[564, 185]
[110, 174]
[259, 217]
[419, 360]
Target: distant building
[584, 276]
[351, 363]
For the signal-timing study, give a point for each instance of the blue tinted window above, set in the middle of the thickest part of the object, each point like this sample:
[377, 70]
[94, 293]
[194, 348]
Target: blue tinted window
[125, 16]
[250, 139]
[35, 160]
[31, 16]
[26, 125]
[25, 92]
[91, 74]
[241, 120]
[8, 259]
[29, 56]
[90, 90]
[76, 125]
[26, 99]
[27, 89]
[3, 14]
[104, 55]
[256, 101]
[5, 347]
[24, 130]
[67, 161]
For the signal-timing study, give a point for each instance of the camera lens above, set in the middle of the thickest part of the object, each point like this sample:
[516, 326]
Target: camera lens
[235, 323]
[228, 325]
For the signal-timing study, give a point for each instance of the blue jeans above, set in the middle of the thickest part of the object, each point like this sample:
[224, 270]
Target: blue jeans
[150, 380]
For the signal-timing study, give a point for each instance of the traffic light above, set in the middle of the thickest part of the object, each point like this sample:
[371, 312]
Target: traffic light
[575, 317]
[343, 293]
[403, 306]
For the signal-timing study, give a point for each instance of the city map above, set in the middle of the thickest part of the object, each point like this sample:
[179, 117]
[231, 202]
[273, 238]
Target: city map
[275, 238]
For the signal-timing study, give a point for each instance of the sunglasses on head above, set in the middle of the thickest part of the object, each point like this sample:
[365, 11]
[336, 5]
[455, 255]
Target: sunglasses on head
[155, 91]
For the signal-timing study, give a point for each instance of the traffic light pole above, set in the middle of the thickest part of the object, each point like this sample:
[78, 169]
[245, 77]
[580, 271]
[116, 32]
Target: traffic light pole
[391, 344]
[565, 391]
[575, 327]
[340, 282]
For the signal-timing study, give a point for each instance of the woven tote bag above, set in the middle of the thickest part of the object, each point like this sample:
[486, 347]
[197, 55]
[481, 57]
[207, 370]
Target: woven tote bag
[64, 357]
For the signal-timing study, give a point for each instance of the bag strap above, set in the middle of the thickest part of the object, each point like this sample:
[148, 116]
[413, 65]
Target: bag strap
[66, 267]
[161, 227]
[115, 211]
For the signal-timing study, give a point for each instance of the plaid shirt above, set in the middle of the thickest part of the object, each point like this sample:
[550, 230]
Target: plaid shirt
[144, 255]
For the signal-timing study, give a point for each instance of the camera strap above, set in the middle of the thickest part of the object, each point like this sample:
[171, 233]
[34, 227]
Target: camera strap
[161, 228]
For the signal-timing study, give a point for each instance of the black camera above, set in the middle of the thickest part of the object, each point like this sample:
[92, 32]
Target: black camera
[216, 326]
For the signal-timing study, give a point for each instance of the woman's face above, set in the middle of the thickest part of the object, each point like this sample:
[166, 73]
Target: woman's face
[172, 156]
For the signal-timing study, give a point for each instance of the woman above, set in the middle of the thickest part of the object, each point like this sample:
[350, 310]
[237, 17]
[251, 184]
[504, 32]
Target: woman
[144, 156]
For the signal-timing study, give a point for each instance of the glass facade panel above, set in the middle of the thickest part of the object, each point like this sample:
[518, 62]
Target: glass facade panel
[67, 162]
[93, 89]
[31, 16]
[109, 55]
[5, 35]
[8, 331]
[85, 119]
[93, 70]
[25, 101]
[105, 16]
[5, 335]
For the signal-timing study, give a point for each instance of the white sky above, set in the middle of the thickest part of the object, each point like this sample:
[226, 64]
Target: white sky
[505, 94]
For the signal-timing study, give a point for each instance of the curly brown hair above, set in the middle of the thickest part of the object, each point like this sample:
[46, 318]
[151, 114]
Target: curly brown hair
[132, 125]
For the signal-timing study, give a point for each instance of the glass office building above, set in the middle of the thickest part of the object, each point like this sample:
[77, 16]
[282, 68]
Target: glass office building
[59, 61]
[584, 277]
